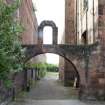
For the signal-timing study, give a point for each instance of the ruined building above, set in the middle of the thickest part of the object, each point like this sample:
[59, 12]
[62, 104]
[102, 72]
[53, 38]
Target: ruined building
[67, 71]
[84, 35]
[84, 25]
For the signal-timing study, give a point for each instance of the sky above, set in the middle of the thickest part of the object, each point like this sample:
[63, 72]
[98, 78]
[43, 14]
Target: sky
[51, 10]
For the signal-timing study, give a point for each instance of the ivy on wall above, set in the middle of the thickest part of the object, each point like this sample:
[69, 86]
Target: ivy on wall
[11, 52]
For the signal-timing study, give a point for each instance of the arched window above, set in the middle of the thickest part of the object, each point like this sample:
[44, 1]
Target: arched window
[54, 31]
[84, 38]
[47, 35]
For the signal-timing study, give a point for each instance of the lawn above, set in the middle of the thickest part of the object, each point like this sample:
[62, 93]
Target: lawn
[55, 74]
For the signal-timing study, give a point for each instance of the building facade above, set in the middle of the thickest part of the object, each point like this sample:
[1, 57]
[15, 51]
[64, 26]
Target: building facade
[84, 25]
[25, 14]
[66, 69]
[29, 22]
[87, 21]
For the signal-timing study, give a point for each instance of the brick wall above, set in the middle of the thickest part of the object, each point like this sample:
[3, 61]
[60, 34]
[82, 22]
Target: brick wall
[98, 75]
[29, 22]
[70, 38]
[61, 68]
[70, 35]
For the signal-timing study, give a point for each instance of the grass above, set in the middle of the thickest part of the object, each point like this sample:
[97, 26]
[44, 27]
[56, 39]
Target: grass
[55, 74]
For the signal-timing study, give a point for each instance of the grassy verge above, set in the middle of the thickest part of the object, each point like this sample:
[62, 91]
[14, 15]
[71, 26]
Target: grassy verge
[55, 74]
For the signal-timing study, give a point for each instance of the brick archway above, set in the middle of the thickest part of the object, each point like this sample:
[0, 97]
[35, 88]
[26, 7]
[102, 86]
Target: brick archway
[75, 73]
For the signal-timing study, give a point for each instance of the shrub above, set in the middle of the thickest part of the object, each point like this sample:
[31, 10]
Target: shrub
[51, 68]
[11, 53]
[41, 67]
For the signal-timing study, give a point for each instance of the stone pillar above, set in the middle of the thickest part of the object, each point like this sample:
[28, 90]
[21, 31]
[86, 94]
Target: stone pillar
[40, 35]
[70, 73]
[55, 35]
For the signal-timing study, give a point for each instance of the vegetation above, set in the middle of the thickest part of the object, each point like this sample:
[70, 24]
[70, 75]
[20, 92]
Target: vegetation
[51, 67]
[43, 68]
[11, 52]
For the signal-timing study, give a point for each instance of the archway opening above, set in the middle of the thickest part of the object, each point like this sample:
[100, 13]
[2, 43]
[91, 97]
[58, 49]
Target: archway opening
[47, 35]
[54, 31]
[84, 38]
[56, 77]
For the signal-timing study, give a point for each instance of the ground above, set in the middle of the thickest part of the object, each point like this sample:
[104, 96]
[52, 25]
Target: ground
[50, 91]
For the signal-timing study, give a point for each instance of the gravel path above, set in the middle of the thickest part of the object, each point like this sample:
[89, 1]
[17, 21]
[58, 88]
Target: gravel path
[55, 102]
[50, 88]
[49, 91]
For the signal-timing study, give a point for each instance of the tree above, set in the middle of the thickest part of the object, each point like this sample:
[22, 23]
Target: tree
[11, 52]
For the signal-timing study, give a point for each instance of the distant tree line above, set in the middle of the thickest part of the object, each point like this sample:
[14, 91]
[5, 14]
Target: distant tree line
[43, 68]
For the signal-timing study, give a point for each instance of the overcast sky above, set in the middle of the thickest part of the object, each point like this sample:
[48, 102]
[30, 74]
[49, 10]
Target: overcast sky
[50, 10]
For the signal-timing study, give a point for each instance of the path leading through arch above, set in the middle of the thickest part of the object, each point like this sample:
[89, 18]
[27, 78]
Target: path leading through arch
[49, 91]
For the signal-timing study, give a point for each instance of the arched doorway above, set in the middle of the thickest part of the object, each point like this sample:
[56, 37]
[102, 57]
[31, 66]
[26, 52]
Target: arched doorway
[47, 35]
[72, 80]
[84, 38]
[68, 76]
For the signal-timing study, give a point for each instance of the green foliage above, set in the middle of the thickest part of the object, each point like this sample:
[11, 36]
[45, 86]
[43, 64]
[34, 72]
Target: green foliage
[51, 68]
[11, 52]
[39, 66]
[42, 68]
[48, 67]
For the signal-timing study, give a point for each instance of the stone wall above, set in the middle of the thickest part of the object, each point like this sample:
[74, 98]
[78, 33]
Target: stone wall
[95, 85]
[61, 68]
[98, 74]
[70, 38]
[92, 83]
[87, 16]
[26, 15]
[70, 31]
[29, 22]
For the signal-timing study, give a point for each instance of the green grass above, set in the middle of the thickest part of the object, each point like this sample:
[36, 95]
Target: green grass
[52, 74]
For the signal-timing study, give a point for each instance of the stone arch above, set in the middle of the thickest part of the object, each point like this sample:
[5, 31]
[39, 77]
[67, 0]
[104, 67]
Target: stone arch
[54, 30]
[73, 65]
[60, 53]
